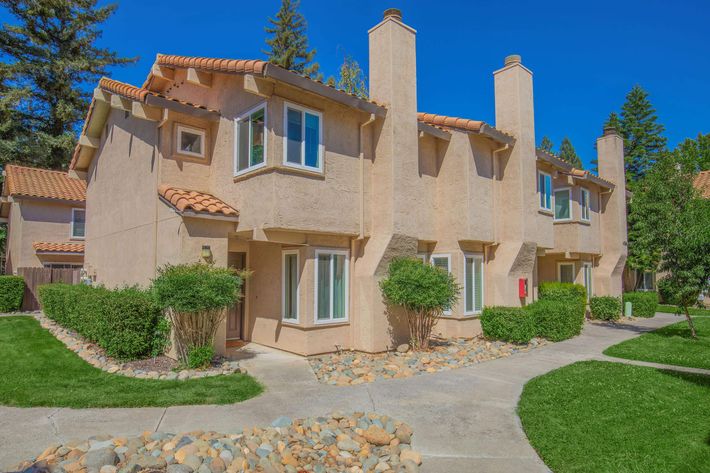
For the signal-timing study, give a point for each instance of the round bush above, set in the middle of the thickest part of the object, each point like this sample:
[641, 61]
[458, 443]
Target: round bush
[510, 324]
[605, 307]
[644, 304]
[557, 320]
[196, 287]
[200, 357]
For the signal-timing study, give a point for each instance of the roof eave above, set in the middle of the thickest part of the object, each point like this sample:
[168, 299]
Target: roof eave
[433, 131]
[496, 135]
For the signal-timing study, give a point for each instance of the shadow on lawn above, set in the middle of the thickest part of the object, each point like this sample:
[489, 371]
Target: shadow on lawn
[695, 378]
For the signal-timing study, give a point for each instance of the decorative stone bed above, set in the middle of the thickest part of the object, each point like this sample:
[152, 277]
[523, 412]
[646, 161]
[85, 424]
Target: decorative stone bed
[350, 367]
[160, 368]
[356, 443]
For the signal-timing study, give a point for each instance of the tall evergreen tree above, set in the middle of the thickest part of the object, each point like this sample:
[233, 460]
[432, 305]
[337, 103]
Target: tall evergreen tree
[352, 79]
[568, 153]
[613, 122]
[289, 43]
[696, 152]
[546, 144]
[49, 57]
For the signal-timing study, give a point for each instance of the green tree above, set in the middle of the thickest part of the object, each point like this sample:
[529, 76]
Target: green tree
[49, 56]
[568, 154]
[613, 122]
[670, 226]
[696, 152]
[546, 144]
[289, 43]
[352, 79]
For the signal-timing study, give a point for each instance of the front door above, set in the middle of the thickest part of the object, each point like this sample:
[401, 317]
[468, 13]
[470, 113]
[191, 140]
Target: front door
[235, 315]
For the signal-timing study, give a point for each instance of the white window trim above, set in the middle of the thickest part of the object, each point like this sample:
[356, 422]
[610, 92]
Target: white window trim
[331, 320]
[478, 256]
[321, 147]
[423, 257]
[559, 270]
[540, 193]
[588, 207]
[554, 201]
[590, 289]
[448, 265]
[198, 131]
[73, 219]
[283, 286]
[239, 119]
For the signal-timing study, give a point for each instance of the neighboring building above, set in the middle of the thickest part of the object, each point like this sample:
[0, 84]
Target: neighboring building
[246, 164]
[702, 183]
[45, 213]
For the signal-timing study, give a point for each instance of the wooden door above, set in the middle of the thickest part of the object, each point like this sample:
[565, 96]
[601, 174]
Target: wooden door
[235, 315]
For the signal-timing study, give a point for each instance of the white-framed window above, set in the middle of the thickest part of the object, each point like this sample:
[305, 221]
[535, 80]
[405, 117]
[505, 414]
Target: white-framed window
[303, 137]
[190, 141]
[563, 204]
[442, 261]
[290, 280]
[544, 188]
[646, 280]
[473, 283]
[423, 257]
[331, 286]
[565, 272]
[584, 203]
[587, 273]
[250, 142]
[78, 224]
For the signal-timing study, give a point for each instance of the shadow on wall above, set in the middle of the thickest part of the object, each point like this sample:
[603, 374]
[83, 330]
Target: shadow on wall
[397, 326]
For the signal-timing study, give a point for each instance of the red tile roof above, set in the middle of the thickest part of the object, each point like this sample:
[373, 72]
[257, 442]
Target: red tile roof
[138, 93]
[49, 247]
[702, 183]
[198, 202]
[248, 66]
[43, 183]
[462, 124]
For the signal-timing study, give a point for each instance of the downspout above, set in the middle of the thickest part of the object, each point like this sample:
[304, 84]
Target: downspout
[495, 193]
[361, 235]
[157, 185]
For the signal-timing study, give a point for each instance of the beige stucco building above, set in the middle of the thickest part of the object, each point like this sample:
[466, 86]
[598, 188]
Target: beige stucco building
[246, 164]
[45, 216]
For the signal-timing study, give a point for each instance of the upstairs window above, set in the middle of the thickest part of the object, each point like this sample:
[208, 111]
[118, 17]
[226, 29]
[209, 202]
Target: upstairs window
[563, 198]
[78, 224]
[584, 202]
[191, 141]
[303, 146]
[251, 140]
[544, 188]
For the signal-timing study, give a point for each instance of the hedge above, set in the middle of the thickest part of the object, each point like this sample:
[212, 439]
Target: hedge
[126, 323]
[559, 291]
[644, 304]
[510, 324]
[12, 288]
[605, 307]
[557, 320]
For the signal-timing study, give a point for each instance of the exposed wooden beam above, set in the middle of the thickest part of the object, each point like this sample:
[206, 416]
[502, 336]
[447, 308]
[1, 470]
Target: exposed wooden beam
[201, 78]
[163, 72]
[258, 86]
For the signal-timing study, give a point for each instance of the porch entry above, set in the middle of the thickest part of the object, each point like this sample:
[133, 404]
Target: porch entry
[235, 314]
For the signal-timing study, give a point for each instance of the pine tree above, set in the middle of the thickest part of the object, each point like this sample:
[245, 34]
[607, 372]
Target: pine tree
[352, 79]
[289, 43]
[49, 58]
[696, 152]
[568, 154]
[546, 144]
[613, 122]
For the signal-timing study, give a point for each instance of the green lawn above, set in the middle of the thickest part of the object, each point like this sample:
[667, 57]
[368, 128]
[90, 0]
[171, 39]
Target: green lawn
[604, 417]
[670, 345]
[671, 309]
[36, 369]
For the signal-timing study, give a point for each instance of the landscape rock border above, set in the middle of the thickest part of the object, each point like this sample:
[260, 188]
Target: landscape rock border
[95, 356]
[355, 443]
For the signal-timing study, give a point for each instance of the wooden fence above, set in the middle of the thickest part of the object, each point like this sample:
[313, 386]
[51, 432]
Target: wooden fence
[35, 277]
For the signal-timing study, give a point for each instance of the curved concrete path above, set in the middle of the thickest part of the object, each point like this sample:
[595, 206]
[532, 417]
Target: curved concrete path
[464, 419]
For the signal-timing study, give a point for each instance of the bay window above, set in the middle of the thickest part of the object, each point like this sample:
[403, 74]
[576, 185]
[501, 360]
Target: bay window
[250, 148]
[331, 274]
[544, 187]
[563, 201]
[584, 203]
[303, 147]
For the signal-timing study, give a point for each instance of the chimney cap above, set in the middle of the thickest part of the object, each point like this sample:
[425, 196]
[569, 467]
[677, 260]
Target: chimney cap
[610, 130]
[395, 13]
[512, 59]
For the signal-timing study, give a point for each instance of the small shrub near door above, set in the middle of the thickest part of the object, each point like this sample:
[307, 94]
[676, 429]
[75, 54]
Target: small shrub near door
[510, 324]
[12, 288]
[562, 291]
[644, 304]
[195, 298]
[200, 357]
[423, 291]
[557, 320]
[605, 307]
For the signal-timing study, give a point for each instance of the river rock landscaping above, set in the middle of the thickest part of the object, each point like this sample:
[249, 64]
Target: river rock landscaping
[355, 443]
[160, 367]
[350, 367]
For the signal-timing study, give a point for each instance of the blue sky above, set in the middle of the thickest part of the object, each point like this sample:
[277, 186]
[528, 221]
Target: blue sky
[584, 58]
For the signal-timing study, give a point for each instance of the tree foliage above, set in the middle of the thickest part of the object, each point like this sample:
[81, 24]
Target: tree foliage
[50, 55]
[288, 45]
[547, 144]
[696, 152]
[568, 153]
[352, 79]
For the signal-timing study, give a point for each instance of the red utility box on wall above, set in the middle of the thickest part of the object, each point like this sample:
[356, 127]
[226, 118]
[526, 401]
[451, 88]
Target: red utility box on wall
[522, 287]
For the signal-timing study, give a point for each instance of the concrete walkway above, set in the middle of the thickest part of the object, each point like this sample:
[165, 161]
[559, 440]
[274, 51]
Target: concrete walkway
[464, 419]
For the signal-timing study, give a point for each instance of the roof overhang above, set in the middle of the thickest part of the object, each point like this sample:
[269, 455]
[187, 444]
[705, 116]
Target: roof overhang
[201, 215]
[434, 131]
[567, 169]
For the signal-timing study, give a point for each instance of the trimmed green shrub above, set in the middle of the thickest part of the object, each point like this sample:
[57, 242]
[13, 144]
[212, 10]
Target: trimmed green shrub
[195, 298]
[124, 322]
[423, 291]
[12, 288]
[557, 320]
[605, 307]
[644, 304]
[559, 291]
[510, 324]
[200, 357]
